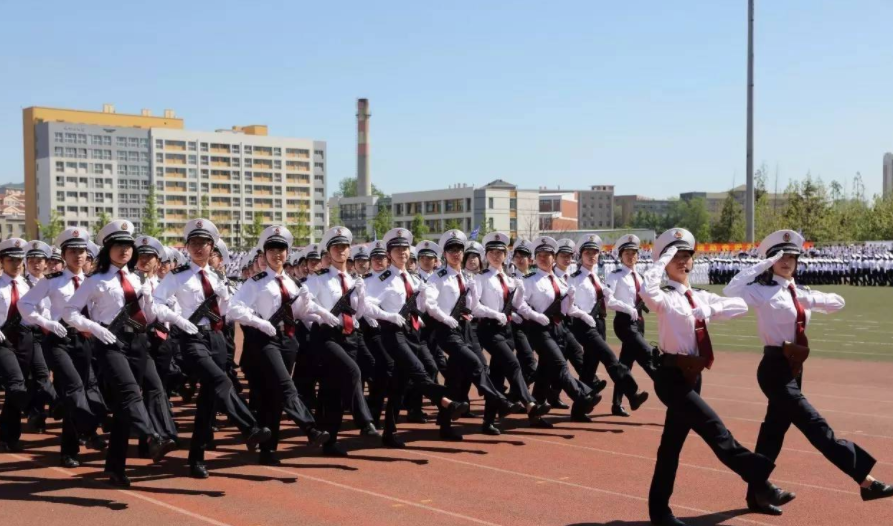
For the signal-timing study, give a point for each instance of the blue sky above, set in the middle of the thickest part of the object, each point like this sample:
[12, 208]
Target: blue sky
[648, 96]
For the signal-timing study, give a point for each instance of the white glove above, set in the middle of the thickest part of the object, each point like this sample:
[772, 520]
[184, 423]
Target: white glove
[760, 267]
[516, 318]
[702, 312]
[330, 319]
[185, 325]
[146, 290]
[667, 256]
[571, 294]
[221, 290]
[451, 322]
[265, 327]
[396, 319]
[501, 318]
[104, 335]
[542, 319]
[587, 319]
[55, 327]
[633, 313]
[2, 337]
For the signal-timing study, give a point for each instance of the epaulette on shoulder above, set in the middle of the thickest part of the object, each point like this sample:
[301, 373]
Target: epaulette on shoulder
[441, 273]
[696, 288]
[53, 275]
[668, 288]
[260, 275]
[485, 271]
[616, 270]
[322, 272]
[803, 287]
[385, 275]
[296, 280]
[181, 268]
[367, 275]
[530, 274]
[577, 273]
[303, 280]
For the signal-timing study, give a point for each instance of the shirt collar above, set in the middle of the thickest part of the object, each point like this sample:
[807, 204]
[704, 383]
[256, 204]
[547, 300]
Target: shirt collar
[782, 281]
[678, 286]
[197, 268]
[114, 269]
[397, 271]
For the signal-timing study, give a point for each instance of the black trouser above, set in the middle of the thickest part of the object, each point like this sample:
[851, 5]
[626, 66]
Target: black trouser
[40, 385]
[432, 358]
[687, 411]
[498, 341]
[162, 353]
[787, 406]
[403, 345]
[524, 352]
[16, 354]
[70, 359]
[123, 364]
[465, 367]
[205, 354]
[271, 361]
[552, 367]
[307, 369]
[597, 351]
[383, 375]
[341, 386]
[633, 348]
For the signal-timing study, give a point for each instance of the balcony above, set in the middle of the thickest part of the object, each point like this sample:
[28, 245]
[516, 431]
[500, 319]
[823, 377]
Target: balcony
[174, 173]
[263, 151]
[221, 190]
[174, 159]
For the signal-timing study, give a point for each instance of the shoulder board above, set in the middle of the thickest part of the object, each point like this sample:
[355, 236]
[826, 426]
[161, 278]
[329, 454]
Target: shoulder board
[302, 280]
[441, 273]
[529, 274]
[367, 275]
[577, 273]
[485, 271]
[322, 272]
[259, 276]
[617, 270]
[803, 287]
[181, 268]
[667, 288]
[296, 281]
[696, 288]
[385, 275]
[53, 275]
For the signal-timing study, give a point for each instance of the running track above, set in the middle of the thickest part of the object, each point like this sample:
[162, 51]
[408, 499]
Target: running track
[572, 475]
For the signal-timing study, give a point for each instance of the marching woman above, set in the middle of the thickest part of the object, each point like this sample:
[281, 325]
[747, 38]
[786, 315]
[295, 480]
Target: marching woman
[449, 298]
[40, 385]
[393, 299]
[625, 285]
[522, 252]
[69, 352]
[498, 299]
[271, 303]
[544, 308]
[113, 293]
[683, 314]
[383, 376]
[586, 321]
[784, 309]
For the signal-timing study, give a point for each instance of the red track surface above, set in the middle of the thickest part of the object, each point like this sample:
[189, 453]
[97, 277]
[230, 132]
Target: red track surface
[575, 474]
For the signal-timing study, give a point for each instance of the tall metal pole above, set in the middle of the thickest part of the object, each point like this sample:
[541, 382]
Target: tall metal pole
[749, 201]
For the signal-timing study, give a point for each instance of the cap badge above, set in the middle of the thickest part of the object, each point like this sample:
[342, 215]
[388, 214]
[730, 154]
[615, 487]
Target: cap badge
[786, 237]
[145, 241]
[124, 226]
[276, 230]
[453, 234]
[338, 231]
[400, 233]
[198, 223]
[677, 234]
[630, 239]
[18, 243]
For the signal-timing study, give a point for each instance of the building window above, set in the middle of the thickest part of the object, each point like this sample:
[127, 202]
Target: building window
[121, 141]
[192, 159]
[133, 142]
[58, 151]
[277, 152]
[235, 148]
[204, 147]
[159, 158]
[59, 137]
[490, 206]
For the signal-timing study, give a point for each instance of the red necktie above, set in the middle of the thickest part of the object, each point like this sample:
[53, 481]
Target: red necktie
[286, 297]
[206, 288]
[801, 318]
[556, 319]
[638, 290]
[13, 302]
[599, 297]
[135, 313]
[347, 318]
[705, 348]
[408, 287]
[505, 289]
[461, 283]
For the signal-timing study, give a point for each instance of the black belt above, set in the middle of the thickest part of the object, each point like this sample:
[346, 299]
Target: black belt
[773, 350]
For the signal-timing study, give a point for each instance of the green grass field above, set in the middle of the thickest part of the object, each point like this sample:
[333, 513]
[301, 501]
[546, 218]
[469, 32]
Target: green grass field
[863, 330]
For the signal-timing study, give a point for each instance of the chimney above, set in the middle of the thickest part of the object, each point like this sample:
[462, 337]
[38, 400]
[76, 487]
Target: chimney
[146, 113]
[169, 114]
[364, 180]
[108, 108]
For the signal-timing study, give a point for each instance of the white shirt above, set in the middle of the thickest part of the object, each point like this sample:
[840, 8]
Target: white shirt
[260, 297]
[55, 289]
[442, 292]
[186, 287]
[488, 290]
[585, 295]
[387, 292]
[6, 295]
[623, 289]
[676, 324]
[103, 296]
[539, 293]
[325, 289]
[776, 312]
[563, 274]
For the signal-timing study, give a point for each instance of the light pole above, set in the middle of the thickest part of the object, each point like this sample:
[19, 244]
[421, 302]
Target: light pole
[749, 200]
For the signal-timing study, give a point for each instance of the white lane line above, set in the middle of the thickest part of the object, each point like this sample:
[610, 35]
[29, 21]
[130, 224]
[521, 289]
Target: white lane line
[577, 486]
[156, 502]
[385, 497]
[754, 376]
[819, 409]
[811, 339]
[811, 394]
[812, 349]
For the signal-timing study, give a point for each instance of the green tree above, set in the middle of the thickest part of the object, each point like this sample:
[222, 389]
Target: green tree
[151, 225]
[730, 226]
[53, 228]
[693, 216]
[347, 187]
[383, 221]
[203, 210]
[335, 216]
[418, 227]
[484, 228]
[300, 226]
[452, 224]
[101, 220]
[254, 230]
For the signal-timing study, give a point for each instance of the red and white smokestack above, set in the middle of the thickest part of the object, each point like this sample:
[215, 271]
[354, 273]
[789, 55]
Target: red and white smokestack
[364, 179]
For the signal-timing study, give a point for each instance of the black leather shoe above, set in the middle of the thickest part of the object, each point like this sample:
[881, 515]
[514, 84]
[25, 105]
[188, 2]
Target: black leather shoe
[760, 498]
[392, 441]
[11, 447]
[637, 400]
[877, 490]
[558, 404]
[457, 410]
[450, 435]
[469, 413]
[268, 458]
[96, 443]
[369, 431]
[119, 479]
[580, 417]
[599, 385]
[69, 462]
[198, 471]
[539, 410]
[316, 438]
[416, 417]
[667, 520]
[160, 447]
[541, 423]
[490, 429]
[506, 408]
[618, 410]
[334, 450]
[257, 436]
[38, 422]
[187, 392]
[781, 497]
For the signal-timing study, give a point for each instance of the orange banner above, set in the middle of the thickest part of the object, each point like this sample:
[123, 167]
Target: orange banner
[718, 247]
